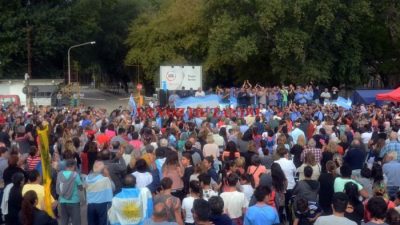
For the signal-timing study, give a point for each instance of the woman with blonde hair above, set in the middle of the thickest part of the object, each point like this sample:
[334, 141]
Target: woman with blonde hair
[211, 149]
[328, 151]
[309, 160]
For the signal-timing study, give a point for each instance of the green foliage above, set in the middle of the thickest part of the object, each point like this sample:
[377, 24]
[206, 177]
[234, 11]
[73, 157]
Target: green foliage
[327, 41]
[58, 24]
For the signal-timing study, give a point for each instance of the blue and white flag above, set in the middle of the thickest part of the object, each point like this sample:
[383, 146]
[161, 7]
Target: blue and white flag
[132, 206]
[345, 103]
[132, 104]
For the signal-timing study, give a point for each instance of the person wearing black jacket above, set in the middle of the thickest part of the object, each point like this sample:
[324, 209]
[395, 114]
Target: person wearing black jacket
[30, 215]
[186, 161]
[14, 199]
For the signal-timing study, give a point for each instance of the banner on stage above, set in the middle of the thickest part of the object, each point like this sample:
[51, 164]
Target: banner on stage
[176, 77]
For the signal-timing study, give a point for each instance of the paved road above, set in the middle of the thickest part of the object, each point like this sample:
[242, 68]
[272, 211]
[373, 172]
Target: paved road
[101, 99]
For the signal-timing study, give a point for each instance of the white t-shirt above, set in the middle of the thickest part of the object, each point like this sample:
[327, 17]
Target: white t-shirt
[248, 191]
[289, 169]
[187, 205]
[208, 193]
[234, 202]
[142, 179]
[365, 137]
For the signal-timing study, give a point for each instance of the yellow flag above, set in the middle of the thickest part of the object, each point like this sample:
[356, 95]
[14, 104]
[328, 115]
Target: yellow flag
[46, 167]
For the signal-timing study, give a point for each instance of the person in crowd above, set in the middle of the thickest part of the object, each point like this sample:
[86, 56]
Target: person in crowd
[307, 212]
[235, 202]
[132, 205]
[14, 166]
[208, 163]
[187, 203]
[340, 182]
[355, 208]
[311, 147]
[120, 138]
[328, 151]
[211, 149]
[30, 215]
[339, 205]
[246, 187]
[297, 150]
[99, 193]
[174, 170]
[392, 217]
[377, 207]
[159, 216]
[326, 181]
[307, 188]
[355, 156]
[256, 169]
[68, 186]
[297, 132]
[205, 182]
[172, 203]
[33, 158]
[116, 167]
[231, 152]
[289, 170]
[142, 174]
[218, 217]
[186, 162]
[33, 184]
[261, 213]
[391, 169]
[309, 160]
[393, 145]
[201, 212]
[12, 199]
[380, 192]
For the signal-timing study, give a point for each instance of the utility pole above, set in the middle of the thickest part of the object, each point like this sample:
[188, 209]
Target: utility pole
[29, 56]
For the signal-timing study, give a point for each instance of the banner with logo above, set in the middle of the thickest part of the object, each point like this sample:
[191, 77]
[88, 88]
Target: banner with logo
[176, 77]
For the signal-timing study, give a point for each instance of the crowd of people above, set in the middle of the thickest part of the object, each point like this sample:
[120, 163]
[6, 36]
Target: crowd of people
[297, 164]
[257, 95]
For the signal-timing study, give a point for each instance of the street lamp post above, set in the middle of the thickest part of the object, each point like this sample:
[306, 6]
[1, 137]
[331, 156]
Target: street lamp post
[69, 57]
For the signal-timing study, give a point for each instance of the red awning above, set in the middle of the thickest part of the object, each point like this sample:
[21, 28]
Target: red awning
[393, 96]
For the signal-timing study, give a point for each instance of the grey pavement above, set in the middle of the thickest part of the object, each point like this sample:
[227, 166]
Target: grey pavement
[100, 99]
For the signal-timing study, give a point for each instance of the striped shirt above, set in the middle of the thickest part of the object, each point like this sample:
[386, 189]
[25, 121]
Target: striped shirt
[390, 147]
[32, 162]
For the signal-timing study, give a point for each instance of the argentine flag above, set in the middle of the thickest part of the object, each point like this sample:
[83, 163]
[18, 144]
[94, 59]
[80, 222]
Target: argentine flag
[132, 104]
[132, 206]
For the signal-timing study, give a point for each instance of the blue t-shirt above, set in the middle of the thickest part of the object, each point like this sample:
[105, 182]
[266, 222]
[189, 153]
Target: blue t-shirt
[261, 215]
[75, 193]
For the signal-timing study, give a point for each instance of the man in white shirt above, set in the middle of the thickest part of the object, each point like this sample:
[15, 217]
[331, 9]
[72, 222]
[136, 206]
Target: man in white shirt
[366, 135]
[289, 169]
[235, 202]
[339, 205]
[199, 93]
[326, 95]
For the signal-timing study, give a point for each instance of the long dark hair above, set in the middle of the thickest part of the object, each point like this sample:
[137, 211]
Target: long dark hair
[231, 147]
[28, 207]
[351, 191]
[278, 178]
[377, 173]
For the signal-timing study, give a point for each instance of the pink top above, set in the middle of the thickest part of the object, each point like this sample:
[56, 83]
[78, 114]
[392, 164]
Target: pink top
[137, 144]
[255, 171]
[110, 133]
[175, 173]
